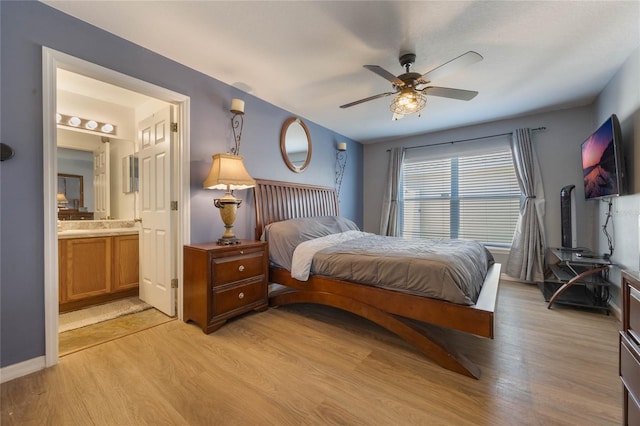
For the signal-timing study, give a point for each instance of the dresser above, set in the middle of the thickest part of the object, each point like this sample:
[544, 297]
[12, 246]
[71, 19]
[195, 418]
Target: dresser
[222, 282]
[630, 347]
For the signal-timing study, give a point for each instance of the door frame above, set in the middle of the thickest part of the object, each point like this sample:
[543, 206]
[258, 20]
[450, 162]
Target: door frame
[51, 61]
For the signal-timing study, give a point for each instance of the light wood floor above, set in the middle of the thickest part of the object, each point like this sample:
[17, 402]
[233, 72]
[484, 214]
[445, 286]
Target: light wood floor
[312, 365]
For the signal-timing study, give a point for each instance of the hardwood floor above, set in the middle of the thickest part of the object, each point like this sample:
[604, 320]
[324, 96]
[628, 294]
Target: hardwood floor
[314, 365]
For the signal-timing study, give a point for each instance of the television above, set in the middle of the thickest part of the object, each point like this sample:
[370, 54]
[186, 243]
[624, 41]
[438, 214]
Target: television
[603, 169]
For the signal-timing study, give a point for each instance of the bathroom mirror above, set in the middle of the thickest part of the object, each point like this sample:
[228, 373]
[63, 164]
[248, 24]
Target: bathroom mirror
[295, 144]
[72, 188]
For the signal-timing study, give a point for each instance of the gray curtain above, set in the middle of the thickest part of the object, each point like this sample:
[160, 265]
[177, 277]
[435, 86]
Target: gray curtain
[526, 258]
[389, 222]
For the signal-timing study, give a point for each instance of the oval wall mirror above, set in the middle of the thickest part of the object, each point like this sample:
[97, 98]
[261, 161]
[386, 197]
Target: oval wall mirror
[295, 144]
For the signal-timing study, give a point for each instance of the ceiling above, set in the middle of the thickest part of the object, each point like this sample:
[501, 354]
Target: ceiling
[307, 57]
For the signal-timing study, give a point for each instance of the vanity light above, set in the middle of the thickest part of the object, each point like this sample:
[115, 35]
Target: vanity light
[89, 124]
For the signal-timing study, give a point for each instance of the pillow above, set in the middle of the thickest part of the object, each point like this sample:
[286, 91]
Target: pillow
[284, 237]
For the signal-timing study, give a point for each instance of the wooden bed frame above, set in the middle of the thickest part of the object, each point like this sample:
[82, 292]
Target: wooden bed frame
[400, 313]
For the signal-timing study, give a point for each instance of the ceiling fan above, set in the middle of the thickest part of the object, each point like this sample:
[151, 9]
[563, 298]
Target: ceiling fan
[411, 87]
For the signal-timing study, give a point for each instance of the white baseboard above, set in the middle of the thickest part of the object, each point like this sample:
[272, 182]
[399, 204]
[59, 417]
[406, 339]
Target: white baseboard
[20, 369]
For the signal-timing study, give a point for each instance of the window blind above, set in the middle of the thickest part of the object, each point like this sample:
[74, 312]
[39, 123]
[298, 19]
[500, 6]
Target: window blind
[470, 195]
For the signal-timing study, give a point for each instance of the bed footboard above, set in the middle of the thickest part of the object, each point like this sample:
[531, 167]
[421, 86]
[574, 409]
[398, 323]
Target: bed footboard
[381, 307]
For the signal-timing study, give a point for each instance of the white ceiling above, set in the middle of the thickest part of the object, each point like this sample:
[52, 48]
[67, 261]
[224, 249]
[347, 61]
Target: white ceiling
[307, 56]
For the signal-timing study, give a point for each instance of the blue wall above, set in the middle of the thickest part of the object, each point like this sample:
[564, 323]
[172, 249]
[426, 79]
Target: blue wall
[26, 27]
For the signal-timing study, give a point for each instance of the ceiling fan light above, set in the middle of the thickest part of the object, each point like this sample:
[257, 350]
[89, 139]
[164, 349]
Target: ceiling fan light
[408, 101]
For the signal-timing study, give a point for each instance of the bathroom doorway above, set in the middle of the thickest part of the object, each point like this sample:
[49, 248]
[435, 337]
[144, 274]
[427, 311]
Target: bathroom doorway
[99, 213]
[52, 62]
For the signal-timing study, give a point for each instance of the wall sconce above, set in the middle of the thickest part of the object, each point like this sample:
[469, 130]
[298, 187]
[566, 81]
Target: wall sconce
[75, 122]
[341, 163]
[237, 122]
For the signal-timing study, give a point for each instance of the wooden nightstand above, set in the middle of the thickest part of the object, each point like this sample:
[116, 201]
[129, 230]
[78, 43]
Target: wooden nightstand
[221, 282]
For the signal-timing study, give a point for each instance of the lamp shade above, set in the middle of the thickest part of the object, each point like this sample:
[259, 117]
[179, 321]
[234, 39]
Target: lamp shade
[61, 198]
[228, 172]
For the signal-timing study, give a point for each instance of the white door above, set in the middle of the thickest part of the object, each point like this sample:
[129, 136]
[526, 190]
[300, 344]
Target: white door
[156, 236]
[101, 182]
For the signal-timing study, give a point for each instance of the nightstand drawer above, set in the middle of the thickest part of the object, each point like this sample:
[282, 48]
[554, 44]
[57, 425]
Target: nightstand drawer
[630, 365]
[230, 299]
[237, 268]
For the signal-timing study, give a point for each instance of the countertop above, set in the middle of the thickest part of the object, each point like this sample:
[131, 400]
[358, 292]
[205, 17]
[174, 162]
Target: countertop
[89, 233]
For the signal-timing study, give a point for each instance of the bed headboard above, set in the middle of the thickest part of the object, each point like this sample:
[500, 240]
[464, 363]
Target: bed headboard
[276, 201]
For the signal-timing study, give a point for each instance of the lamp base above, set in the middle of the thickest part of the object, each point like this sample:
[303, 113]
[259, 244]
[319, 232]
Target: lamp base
[222, 241]
[228, 206]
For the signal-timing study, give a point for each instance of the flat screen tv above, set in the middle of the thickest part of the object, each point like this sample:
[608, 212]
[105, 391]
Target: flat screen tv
[602, 161]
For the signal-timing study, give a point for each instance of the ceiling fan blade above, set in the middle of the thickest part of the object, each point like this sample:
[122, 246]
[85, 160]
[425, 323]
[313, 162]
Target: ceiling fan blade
[446, 92]
[370, 98]
[384, 74]
[453, 65]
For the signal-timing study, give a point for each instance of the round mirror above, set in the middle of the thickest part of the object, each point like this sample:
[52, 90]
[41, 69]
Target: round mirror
[295, 144]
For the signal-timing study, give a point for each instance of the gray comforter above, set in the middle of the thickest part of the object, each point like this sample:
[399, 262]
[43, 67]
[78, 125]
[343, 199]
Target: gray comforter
[452, 270]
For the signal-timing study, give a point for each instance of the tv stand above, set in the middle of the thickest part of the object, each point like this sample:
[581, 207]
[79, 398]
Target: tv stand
[577, 279]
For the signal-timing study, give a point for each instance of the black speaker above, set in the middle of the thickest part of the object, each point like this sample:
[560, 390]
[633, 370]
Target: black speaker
[566, 215]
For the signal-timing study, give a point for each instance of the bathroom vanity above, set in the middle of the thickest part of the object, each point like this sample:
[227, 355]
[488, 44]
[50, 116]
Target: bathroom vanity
[97, 264]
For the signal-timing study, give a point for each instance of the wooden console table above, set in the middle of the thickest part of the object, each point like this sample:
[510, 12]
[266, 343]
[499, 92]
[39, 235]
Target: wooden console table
[578, 280]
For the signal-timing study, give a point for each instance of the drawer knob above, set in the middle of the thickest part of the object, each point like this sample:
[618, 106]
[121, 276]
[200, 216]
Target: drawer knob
[241, 268]
[241, 295]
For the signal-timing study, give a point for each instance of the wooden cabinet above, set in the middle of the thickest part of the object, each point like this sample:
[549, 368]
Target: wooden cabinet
[630, 348]
[221, 282]
[97, 269]
[126, 265]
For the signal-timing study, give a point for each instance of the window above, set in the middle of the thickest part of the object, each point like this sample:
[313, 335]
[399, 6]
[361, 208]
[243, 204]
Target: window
[466, 195]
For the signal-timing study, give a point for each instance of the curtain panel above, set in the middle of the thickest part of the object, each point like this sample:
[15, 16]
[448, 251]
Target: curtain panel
[390, 221]
[526, 258]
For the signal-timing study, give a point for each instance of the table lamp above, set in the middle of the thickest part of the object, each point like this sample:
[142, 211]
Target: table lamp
[228, 173]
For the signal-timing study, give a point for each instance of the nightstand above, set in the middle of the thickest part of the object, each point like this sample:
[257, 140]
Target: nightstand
[222, 282]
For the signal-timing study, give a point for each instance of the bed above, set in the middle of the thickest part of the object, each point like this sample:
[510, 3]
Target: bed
[421, 321]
